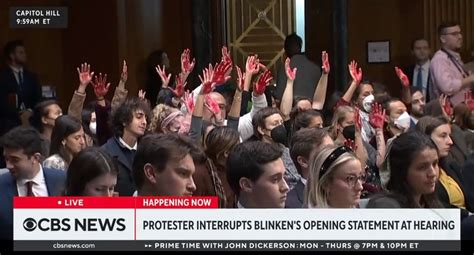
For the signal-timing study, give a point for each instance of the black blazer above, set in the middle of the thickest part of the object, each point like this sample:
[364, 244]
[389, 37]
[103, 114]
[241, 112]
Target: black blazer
[30, 95]
[295, 197]
[454, 172]
[124, 159]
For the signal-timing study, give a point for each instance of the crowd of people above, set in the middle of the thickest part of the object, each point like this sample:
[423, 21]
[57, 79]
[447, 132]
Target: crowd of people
[258, 146]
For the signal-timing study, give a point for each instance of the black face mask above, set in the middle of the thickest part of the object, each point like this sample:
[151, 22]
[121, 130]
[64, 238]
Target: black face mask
[279, 135]
[349, 132]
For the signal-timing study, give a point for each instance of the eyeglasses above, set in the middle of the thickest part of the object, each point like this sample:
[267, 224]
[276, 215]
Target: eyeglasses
[352, 179]
[457, 33]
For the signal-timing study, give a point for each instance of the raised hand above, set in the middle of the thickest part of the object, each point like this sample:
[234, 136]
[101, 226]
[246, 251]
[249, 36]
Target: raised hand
[212, 105]
[165, 79]
[252, 66]
[240, 79]
[189, 101]
[124, 74]
[226, 55]
[377, 116]
[325, 61]
[356, 73]
[402, 76]
[207, 81]
[446, 106]
[290, 73]
[100, 87]
[85, 74]
[141, 94]
[179, 91]
[350, 144]
[469, 99]
[187, 66]
[221, 72]
[262, 82]
[357, 120]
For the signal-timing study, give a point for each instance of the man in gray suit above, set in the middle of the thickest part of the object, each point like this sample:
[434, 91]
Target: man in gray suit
[308, 72]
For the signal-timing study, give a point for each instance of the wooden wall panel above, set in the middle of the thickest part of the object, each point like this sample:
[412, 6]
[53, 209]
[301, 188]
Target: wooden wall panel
[438, 11]
[259, 27]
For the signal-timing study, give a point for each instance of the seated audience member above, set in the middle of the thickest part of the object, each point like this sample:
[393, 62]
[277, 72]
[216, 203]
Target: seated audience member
[417, 105]
[335, 179]
[304, 142]
[268, 127]
[255, 172]
[306, 119]
[212, 180]
[92, 172]
[413, 165]
[129, 123]
[450, 187]
[44, 115]
[164, 166]
[22, 151]
[67, 140]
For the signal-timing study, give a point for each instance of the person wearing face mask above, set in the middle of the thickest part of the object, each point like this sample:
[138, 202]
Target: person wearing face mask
[89, 124]
[397, 118]
[268, 127]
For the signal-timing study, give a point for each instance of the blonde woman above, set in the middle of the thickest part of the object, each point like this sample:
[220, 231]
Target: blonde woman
[335, 179]
[166, 119]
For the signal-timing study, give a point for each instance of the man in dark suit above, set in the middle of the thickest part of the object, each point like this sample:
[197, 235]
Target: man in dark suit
[308, 72]
[22, 148]
[304, 143]
[19, 88]
[129, 123]
[419, 73]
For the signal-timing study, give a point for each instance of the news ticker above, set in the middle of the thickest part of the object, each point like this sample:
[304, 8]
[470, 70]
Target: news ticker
[195, 223]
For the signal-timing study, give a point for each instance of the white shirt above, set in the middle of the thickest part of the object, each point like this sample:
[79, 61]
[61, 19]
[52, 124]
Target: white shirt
[124, 144]
[424, 76]
[304, 181]
[39, 185]
[239, 205]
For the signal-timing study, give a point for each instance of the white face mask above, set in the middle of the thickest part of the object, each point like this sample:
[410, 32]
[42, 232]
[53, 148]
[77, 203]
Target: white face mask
[403, 121]
[93, 127]
[367, 103]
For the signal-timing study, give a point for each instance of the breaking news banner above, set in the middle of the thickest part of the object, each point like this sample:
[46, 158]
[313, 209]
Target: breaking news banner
[38, 17]
[195, 224]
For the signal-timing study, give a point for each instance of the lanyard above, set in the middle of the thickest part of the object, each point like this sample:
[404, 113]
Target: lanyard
[456, 63]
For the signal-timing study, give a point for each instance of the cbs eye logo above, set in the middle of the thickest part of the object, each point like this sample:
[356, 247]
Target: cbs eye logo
[29, 224]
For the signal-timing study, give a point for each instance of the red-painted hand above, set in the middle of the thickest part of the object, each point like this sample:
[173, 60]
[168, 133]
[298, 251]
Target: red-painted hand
[356, 73]
[187, 66]
[325, 60]
[100, 87]
[85, 74]
[180, 85]
[290, 73]
[262, 82]
[377, 116]
[402, 76]
[165, 79]
[240, 78]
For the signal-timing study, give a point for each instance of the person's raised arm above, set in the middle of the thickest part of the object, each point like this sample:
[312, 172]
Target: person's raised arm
[207, 86]
[287, 99]
[187, 65]
[77, 102]
[377, 120]
[406, 93]
[320, 93]
[356, 74]
[120, 94]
